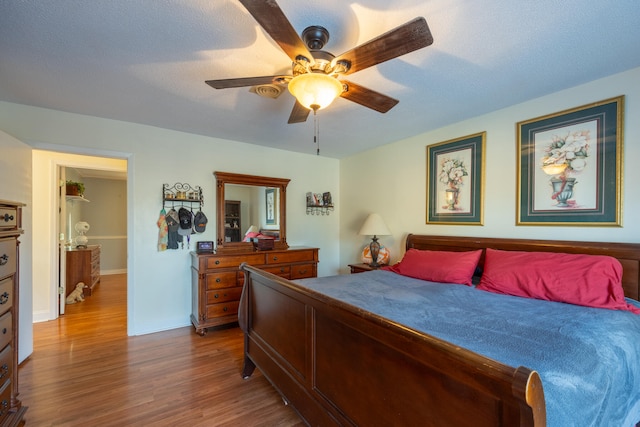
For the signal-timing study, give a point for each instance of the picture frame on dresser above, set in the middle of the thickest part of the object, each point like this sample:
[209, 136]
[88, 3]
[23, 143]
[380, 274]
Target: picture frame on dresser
[570, 166]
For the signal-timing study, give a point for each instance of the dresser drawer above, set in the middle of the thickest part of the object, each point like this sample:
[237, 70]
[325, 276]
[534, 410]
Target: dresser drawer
[280, 270]
[8, 218]
[6, 330]
[7, 257]
[290, 256]
[222, 309]
[223, 295]
[223, 279]
[6, 294]
[302, 271]
[6, 364]
[234, 261]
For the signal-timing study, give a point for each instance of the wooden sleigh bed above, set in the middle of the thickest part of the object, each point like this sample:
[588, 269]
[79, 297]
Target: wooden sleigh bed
[336, 364]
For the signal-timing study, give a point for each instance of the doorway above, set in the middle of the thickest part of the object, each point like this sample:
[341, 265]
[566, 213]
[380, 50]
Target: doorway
[50, 220]
[94, 229]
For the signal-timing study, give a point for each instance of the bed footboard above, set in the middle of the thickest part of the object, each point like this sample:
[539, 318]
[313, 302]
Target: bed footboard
[337, 365]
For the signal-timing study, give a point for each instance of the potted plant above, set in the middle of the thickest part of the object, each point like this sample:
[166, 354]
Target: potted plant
[75, 188]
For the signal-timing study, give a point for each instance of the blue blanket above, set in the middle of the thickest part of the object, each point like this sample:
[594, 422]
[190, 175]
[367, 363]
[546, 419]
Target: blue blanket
[588, 358]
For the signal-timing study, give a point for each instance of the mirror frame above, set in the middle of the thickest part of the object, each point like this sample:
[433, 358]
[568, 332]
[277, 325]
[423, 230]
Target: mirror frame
[223, 178]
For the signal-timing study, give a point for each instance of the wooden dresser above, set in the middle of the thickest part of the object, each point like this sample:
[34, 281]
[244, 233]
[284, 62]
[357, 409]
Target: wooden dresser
[216, 281]
[11, 409]
[83, 265]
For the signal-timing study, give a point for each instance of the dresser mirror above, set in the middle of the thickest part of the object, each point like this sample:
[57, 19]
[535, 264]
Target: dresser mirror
[243, 201]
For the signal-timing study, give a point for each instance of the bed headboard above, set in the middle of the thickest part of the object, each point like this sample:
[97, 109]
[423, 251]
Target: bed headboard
[627, 253]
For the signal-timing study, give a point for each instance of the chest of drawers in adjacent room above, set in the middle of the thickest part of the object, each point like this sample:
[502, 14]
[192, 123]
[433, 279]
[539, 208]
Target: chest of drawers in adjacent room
[217, 281]
[83, 265]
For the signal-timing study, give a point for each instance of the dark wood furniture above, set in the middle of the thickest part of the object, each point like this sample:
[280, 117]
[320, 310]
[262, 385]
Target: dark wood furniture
[362, 267]
[232, 221]
[83, 265]
[11, 409]
[225, 178]
[340, 365]
[216, 280]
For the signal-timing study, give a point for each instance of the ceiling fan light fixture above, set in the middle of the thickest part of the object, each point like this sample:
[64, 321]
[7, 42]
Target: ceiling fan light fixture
[315, 89]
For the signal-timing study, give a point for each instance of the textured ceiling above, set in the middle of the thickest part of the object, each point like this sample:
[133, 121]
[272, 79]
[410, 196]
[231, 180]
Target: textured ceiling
[145, 61]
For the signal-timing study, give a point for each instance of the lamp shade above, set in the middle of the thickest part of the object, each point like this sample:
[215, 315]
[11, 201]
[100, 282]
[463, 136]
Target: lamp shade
[252, 229]
[315, 90]
[374, 226]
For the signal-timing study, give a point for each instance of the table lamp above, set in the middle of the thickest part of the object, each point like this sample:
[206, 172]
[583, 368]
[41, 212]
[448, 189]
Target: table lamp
[374, 226]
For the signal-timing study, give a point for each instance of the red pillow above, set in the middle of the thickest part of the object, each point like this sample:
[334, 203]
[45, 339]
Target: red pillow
[438, 266]
[250, 235]
[588, 280]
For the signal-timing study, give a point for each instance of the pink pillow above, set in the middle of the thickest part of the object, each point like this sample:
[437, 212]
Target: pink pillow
[438, 266]
[588, 280]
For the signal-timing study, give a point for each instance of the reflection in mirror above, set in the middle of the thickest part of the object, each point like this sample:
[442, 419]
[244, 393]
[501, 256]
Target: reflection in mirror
[249, 205]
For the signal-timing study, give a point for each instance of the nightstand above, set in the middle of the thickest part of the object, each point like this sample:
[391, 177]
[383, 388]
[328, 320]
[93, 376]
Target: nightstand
[361, 268]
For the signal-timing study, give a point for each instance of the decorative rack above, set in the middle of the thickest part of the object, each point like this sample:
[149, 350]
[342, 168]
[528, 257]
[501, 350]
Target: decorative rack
[182, 193]
[319, 203]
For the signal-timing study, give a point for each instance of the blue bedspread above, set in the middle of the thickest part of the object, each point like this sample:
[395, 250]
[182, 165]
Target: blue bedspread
[588, 358]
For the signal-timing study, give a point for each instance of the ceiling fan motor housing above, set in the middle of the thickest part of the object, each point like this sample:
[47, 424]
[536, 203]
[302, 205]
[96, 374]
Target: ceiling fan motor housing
[315, 37]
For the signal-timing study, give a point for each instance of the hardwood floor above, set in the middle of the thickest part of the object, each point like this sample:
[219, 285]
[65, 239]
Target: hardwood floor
[86, 371]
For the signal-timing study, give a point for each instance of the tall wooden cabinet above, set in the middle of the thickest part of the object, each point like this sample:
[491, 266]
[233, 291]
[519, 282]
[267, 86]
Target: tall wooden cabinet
[232, 221]
[11, 409]
[83, 265]
[217, 280]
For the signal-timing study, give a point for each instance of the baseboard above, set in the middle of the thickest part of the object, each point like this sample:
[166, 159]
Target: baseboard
[111, 272]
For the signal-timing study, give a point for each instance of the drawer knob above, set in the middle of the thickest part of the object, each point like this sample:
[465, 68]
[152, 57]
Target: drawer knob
[225, 309]
[215, 295]
[4, 330]
[218, 280]
[4, 370]
[217, 262]
[275, 258]
[4, 297]
[4, 259]
[8, 217]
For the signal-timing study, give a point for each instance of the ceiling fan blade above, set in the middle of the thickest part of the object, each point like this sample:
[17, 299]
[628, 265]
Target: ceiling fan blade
[244, 81]
[367, 97]
[275, 23]
[406, 38]
[299, 114]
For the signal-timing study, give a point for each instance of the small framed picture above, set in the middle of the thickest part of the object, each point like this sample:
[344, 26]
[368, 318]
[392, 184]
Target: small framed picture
[270, 201]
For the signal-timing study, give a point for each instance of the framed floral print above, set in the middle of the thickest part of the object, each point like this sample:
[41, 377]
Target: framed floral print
[270, 206]
[570, 166]
[455, 175]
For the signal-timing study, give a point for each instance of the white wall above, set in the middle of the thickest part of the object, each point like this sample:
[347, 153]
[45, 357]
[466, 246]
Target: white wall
[399, 195]
[106, 214]
[159, 282]
[15, 176]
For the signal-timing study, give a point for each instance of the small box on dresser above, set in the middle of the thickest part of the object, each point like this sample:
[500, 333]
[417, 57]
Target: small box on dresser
[11, 409]
[216, 280]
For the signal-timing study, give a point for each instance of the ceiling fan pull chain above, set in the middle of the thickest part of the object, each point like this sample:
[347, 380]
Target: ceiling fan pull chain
[316, 131]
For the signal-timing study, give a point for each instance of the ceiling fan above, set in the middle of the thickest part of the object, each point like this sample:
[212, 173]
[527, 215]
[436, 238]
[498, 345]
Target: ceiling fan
[313, 66]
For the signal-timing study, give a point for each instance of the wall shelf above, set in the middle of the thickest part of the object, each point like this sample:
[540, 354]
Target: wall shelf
[319, 210]
[319, 203]
[183, 194]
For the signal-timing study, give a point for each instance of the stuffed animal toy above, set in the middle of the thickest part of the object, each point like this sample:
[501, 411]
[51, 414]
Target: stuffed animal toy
[76, 295]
